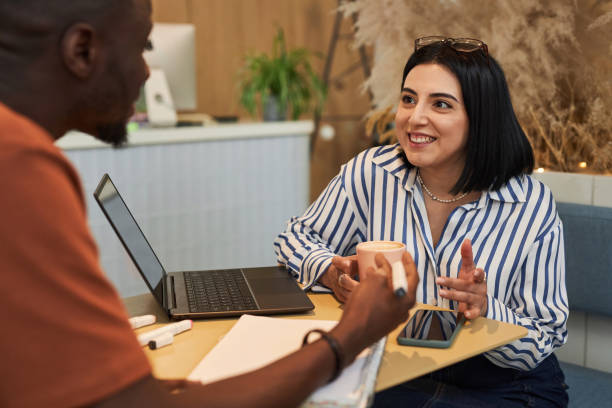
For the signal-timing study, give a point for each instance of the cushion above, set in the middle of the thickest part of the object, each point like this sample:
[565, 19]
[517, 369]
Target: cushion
[587, 387]
[588, 256]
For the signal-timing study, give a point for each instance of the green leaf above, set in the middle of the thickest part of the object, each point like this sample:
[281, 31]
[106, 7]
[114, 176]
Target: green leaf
[287, 74]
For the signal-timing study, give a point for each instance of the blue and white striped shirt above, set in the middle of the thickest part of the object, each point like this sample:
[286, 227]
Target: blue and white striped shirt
[516, 234]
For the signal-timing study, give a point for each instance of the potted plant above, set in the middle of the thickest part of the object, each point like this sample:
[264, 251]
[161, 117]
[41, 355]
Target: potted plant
[285, 80]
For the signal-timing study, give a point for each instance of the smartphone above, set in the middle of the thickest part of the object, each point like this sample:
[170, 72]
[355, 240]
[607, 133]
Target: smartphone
[431, 328]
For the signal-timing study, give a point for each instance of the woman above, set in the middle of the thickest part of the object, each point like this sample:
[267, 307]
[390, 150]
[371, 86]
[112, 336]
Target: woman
[457, 191]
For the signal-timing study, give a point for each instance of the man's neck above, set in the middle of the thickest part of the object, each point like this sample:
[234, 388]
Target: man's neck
[44, 110]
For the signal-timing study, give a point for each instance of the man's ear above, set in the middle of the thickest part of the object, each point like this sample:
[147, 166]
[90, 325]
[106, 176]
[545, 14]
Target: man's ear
[79, 49]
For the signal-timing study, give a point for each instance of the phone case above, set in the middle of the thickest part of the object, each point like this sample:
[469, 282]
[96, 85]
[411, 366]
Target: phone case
[405, 341]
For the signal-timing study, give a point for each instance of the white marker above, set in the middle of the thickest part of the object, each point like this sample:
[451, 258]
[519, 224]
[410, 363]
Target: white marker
[398, 278]
[140, 321]
[174, 328]
[161, 341]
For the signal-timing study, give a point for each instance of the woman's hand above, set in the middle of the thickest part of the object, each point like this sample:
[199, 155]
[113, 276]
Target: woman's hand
[470, 288]
[339, 276]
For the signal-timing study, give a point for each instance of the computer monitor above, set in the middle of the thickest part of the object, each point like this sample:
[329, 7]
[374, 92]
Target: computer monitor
[174, 53]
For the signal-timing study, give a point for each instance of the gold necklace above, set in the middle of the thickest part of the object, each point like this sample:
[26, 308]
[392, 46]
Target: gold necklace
[433, 197]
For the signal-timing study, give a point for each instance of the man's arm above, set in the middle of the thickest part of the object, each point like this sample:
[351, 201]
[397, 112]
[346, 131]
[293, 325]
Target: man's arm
[284, 383]
[370, 313]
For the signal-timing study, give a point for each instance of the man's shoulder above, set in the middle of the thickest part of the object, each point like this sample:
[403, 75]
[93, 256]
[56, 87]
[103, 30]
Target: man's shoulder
[28, 152]
[19, 133]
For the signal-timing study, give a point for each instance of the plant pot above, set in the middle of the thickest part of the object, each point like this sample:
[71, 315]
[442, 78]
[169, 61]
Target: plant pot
[273, 111]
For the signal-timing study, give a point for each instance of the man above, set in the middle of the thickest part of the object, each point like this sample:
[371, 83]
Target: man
[77, 64]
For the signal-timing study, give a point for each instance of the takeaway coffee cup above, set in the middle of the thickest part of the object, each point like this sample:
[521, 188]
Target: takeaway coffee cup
[366, 251]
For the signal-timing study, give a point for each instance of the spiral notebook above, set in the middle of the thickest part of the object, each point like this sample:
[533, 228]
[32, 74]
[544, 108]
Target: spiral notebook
[272, 338]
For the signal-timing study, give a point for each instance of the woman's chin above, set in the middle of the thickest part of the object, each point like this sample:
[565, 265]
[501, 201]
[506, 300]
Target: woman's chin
[417, 159]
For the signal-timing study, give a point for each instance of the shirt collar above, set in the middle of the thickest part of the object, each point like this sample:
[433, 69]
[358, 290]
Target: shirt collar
[511, 192]
[392, 159]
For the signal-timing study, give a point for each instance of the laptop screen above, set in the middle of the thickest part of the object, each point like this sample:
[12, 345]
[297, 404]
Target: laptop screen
[131, 236]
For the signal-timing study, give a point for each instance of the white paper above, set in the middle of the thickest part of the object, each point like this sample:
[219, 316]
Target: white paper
[255, 341]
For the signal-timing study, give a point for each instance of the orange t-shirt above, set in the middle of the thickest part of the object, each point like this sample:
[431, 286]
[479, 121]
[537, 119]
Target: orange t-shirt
[65, 338]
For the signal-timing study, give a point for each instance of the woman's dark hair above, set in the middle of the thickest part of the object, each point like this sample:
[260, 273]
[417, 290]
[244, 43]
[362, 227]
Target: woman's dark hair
[497, 148]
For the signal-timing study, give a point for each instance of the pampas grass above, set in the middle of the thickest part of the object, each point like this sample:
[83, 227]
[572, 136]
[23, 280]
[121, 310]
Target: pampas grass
[556, 55]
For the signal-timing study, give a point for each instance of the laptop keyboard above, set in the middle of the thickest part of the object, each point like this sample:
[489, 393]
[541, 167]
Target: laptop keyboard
[218, 291]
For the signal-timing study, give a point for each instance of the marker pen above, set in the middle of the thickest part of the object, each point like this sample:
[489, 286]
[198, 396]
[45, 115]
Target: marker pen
[161, 341]
[398, 275]
[140, 321]
[174, 328]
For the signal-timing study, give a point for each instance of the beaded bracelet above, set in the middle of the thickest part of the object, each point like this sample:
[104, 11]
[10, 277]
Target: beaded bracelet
[335, 347]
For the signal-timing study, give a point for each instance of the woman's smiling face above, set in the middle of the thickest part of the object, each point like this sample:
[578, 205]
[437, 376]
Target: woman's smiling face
[431, 120]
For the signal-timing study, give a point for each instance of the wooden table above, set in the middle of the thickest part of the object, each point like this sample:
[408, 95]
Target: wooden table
[400, 363]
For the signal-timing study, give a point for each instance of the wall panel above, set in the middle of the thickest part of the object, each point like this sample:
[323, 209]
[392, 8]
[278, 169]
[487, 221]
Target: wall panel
[171, 11]
[229, 29]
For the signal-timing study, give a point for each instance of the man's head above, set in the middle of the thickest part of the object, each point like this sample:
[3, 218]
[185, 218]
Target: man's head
[74, 64]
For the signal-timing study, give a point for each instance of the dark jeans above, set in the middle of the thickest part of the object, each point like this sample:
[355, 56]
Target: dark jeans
[477, 383]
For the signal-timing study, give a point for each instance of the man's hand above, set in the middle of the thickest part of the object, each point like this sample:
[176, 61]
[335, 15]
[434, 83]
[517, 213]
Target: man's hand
[177, 385]
[373, 310]
[470, 288]
[340, 275]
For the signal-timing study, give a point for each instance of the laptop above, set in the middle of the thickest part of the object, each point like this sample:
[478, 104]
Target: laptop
[201, 294]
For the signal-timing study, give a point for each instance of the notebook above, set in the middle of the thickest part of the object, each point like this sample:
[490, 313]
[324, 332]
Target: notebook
[272, 338]
[200, 294]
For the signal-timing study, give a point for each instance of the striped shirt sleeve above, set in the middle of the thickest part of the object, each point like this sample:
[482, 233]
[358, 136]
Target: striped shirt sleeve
[328, 227]
[538, 303]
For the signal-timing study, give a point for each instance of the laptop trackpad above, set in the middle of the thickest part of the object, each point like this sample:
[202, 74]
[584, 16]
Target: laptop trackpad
[275, 288]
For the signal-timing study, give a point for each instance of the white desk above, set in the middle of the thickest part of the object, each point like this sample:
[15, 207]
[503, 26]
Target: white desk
[195, 134]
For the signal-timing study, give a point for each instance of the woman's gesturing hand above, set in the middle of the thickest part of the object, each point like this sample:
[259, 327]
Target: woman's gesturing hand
[340, 275]
[469, 288]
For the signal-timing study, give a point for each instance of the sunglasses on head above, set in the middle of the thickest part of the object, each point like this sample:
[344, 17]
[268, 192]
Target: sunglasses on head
[457, 44]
